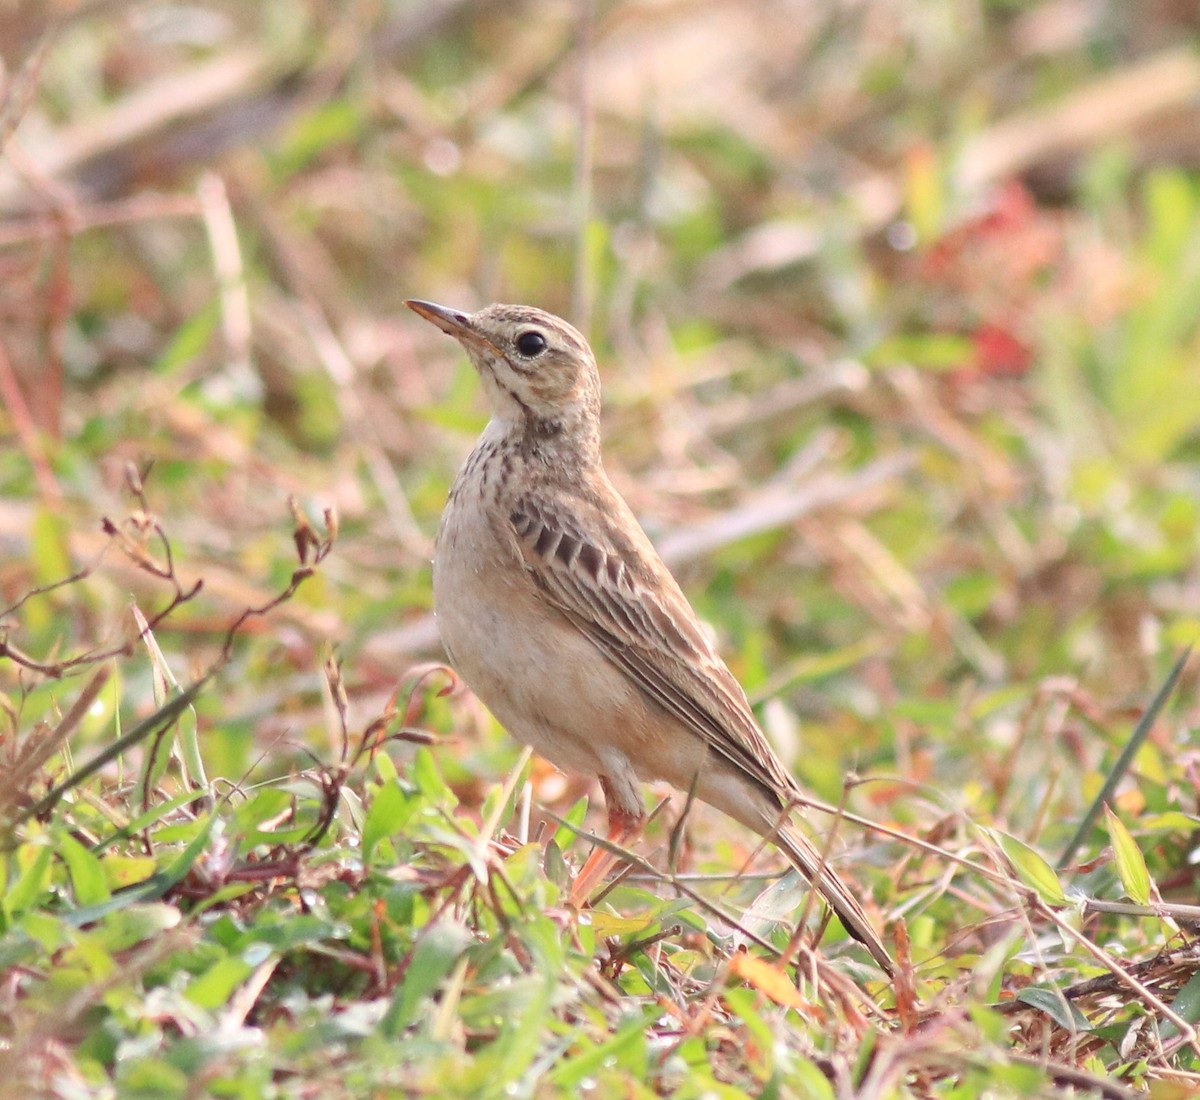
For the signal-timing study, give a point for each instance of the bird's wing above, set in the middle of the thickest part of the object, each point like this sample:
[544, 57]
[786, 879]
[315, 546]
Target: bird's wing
[593, 562]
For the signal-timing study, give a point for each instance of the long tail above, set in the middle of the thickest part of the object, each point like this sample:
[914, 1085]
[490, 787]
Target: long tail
[807, 860]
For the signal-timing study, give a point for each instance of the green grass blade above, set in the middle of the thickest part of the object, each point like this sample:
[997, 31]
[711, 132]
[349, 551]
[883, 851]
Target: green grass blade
[1125, 759]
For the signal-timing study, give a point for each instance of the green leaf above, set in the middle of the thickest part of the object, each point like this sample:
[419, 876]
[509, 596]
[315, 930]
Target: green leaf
[565, 834]
[1031, 868]
[125, 928]
[145, 1077]
[150, 817]
[1186, 1004]
[429, 780]
[152, 888]
[385, 768]
[189, 340]
[34, 859]
[610, 924]
[51, 559]
[330, 123]
[121, 871]
[1056, 1006]
[1169, 821]
[1131, 864]
[555, 867]
[433, 958]
[88, 879]
[571, 1071]
[931, 351]
[388, 813]
[215, 986]
[267, 802]
[183, 862]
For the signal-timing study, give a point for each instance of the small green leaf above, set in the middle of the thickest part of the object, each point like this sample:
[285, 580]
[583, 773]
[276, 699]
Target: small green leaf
[183, 862]
[153, 887]
[122, 871]
[434, 957]
[429, 780]
[149, 818]
[570, 1072]
[327, 125]
[744, 1002]
[1056, 1006]
[1186, 1005]
[1131, 864]
[565, 834]
[1169, 821]
[125, 928]
[555, 866]
[610, 924]
[35, 877]
[51, 559]
[148, 1076]
[385, 769]
[1031, 869]
[189, 340]
[88, 879]
[268, 802]
[390, 809]
[215, 986]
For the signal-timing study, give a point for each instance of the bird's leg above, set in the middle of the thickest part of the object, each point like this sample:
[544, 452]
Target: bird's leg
[622, 824]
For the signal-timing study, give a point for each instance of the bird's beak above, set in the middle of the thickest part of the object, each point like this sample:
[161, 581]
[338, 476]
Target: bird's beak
[452, 322]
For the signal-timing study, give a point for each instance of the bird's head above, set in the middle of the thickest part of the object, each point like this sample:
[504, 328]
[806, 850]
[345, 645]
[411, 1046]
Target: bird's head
[538, 373]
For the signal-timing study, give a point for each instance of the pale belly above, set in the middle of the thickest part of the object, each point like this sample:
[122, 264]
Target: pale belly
[544, 681]
[552, 688]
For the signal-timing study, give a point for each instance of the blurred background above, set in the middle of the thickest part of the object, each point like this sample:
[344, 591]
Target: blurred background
[896, 306]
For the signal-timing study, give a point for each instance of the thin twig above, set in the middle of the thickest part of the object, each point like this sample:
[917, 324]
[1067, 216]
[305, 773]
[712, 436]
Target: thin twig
[1152, 1000]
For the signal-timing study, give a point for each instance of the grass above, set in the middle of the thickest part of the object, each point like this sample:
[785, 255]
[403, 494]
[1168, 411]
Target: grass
[899, 359]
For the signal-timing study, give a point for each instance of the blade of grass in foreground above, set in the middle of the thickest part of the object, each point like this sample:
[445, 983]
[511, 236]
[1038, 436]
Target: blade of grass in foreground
[1125, 759]
[166, 714]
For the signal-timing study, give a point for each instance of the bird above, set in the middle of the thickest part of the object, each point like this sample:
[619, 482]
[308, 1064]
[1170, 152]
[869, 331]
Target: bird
[555, 608]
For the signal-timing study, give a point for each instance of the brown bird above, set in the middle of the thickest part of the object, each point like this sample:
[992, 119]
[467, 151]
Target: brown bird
[558, 612]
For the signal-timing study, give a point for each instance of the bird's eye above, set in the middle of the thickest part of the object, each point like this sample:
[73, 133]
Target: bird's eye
[531, 344]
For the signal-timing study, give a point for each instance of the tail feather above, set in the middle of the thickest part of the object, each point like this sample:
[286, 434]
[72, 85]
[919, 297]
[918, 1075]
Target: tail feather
[808, 861]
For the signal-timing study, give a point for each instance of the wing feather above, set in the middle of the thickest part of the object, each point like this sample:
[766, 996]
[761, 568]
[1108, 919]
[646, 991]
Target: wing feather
[612, 585]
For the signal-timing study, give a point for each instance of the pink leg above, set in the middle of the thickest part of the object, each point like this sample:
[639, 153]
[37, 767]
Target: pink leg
[622, 825]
